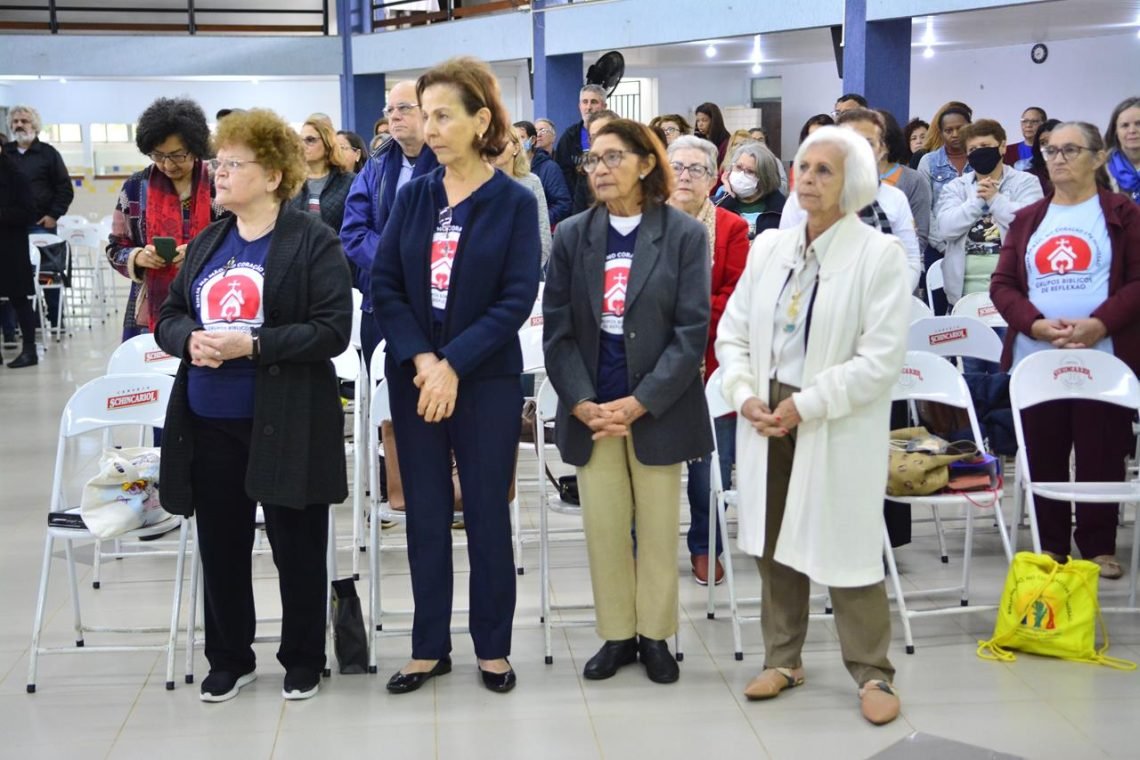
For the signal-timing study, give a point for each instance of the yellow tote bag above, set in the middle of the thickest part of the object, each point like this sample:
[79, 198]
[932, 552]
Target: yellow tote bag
[1051, 610]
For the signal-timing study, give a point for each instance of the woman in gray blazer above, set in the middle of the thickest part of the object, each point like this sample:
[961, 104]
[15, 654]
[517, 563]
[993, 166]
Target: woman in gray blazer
[626, 314]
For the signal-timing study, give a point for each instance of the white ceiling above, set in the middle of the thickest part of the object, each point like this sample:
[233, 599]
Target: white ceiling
[995, 27]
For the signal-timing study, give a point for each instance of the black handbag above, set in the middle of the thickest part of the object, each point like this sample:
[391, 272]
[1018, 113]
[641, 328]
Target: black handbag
[55, 264]
[567, 486]
[350, 641]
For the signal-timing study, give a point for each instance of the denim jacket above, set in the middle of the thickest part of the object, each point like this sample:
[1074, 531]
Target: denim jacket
[938, 170]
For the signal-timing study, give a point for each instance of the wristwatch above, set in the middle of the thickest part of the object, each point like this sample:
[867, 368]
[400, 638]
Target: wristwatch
[255, 338]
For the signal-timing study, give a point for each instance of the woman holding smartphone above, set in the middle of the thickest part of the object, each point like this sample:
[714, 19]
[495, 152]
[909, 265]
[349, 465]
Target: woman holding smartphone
[161, 207]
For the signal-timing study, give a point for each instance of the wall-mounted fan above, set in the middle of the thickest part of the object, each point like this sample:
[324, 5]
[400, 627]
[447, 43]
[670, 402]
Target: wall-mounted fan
[607, 71]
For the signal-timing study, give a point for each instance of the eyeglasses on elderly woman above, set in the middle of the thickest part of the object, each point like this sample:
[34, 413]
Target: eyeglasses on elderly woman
[611, 158]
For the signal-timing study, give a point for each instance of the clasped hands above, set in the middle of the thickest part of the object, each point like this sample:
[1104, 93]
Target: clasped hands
[211, 348]
[771, 423]
[611, 419]
[1069, 333]
[439, 387]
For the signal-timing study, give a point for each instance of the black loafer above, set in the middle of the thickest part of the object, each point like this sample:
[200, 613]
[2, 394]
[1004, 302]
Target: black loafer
[660, 664]
[402, 683]
[499, 682]
[612, 655]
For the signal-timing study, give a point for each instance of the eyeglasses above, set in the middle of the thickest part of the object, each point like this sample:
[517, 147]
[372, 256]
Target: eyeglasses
[403, 108]
[1070, 152]
[1031, 122]
[671, 130]
[174, 158]
[611, 158]
[310, 140]
[231, 165]
[743, 170]
[696, 171]
[544, 131]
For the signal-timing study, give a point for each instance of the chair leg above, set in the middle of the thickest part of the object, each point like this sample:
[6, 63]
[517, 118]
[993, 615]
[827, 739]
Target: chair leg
[38, 624]
[195, 601]
[544, 552]
[941, 535]
[176, 606]
[97, 565]
[1031, 506]
[373, 583]
[331, 570]
[967, 554]
[730, 581]
[1135, 557]
[74, 584]
[900, 600]
[710, 611]
[517, 521]
[1006, 545]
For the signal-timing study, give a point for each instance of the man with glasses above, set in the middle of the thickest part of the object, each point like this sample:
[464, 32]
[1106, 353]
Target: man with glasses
[1020, 155]
[545, 134]
[52, 192]
[576, 139]
[374, 191]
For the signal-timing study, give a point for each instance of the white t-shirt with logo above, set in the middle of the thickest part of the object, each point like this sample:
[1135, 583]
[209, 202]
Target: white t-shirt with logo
[1068, 261]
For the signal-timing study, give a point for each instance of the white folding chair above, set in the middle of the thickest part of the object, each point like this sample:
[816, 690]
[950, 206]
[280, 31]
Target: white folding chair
[534, 363]
[39, 302]
[40, 240]
[928, 377]
[980, 307]
[102, 404]
[934, 281]
[1069, 375]
[953, 336]
[359, 434]
[547, 409]
[88, 269]
[919, 309]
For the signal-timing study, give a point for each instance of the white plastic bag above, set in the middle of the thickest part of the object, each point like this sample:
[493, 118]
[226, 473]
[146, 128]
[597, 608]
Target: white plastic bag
[124, 495]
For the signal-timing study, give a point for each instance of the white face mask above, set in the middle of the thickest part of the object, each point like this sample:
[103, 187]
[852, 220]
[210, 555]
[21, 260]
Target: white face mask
[743, 185]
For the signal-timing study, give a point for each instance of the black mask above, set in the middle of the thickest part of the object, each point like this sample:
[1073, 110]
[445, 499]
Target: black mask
[984, 160]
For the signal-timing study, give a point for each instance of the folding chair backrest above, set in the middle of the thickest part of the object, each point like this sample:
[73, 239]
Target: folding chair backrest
[919, 309]
[34, 256]
[530, 337]
[44, 238]
[357, 316]
[71, 221]
[347, 365]
[376, 368]
[1057, 374]
[141, 355]
[954, 336]
[714, 395]
[934, 281]
[379, 406]
[929, 377]
[116, 400]
[980, 307]
[546, 401]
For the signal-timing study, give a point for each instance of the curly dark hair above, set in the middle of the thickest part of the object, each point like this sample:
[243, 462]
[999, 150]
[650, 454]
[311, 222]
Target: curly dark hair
[173, 116]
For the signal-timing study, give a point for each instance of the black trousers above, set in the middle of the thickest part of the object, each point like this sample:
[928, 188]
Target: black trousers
[299, 538]
[483, 432]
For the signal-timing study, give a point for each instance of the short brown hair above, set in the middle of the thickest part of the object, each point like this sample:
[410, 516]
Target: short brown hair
[275, 145]
[477, 89]
[982, 128]
[657, 186]
[333, 154]
[862, 114]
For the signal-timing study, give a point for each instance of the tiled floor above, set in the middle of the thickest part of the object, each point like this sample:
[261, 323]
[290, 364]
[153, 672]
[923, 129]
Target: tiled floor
[114, 705]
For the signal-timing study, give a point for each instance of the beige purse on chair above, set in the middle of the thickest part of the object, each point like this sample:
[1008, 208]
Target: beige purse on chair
[919, 462]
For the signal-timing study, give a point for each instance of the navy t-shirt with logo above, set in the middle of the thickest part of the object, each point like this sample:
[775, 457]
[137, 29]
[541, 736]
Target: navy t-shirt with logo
[613, 375]
[228, 295]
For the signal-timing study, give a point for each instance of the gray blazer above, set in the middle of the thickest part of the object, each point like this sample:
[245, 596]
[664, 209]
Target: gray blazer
[666, 326]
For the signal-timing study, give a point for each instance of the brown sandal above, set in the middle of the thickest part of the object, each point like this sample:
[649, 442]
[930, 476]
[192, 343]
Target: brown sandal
[772, 681]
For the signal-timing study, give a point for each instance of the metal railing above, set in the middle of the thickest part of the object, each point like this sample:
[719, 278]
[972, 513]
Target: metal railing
[401, 13]
[188, 17]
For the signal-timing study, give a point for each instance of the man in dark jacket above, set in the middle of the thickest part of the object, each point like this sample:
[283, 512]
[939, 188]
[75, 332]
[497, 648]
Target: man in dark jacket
[576, 140]
[558, 200]
[52, 192]
[374, 191]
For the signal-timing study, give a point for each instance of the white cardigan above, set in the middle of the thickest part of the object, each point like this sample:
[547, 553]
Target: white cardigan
[832, 529]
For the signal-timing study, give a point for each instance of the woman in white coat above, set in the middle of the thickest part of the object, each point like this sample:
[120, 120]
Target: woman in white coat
[811, 343]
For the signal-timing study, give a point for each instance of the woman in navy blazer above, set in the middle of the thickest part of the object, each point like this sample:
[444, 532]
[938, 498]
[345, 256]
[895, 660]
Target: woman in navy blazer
[455, 277]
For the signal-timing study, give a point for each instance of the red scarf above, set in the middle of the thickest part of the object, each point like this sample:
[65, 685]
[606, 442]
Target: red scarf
[164, 219]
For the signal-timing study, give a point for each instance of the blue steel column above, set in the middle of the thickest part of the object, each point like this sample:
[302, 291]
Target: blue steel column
[876, 60]
[361, 95]
[344, 29]
[557, 78]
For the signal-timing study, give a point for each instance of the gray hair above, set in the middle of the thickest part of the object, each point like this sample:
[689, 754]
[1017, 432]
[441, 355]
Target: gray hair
[596, 89]
[860, 169]
[547, 121]
[767, 165]
[692, 142]
[37, 122]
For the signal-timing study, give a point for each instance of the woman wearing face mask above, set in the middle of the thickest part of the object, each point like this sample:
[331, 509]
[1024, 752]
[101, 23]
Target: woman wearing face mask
[752, 188]
[975, 210]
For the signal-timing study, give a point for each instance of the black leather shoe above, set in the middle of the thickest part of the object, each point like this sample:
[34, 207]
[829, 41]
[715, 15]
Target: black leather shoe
[402, 683]
[25, 359]
[660, 665]
[609, 658]
[499, 682]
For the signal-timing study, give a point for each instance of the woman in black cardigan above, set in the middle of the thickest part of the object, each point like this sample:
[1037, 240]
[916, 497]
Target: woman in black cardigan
[454, 279]
[258, 310]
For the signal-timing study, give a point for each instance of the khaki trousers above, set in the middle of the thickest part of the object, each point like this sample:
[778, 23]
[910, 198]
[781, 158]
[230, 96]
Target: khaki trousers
[862, 617]
[634, 593]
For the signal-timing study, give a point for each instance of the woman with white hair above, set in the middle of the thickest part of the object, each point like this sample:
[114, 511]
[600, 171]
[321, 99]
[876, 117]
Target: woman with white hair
[811, 343]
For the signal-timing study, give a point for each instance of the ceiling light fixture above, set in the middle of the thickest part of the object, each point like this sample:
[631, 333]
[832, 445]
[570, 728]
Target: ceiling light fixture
[928, 52]
[62, 80]
[756, 68]
[928, 36]
[710, 51]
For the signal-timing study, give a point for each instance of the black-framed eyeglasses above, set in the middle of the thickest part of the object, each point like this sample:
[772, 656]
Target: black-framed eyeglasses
[671, 130]
[696, 171]
[403, 108]
[1070, 152]
[174, 158]
[612, 159]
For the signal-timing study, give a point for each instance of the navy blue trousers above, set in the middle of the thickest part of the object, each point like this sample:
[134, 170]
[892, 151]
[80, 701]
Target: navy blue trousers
[483, 433]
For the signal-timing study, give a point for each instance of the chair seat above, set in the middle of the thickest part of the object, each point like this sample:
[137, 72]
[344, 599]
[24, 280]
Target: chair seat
[1089, 492]
[977, 498]
[170, 523]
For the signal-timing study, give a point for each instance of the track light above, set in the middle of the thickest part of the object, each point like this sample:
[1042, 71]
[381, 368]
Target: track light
[710, 51]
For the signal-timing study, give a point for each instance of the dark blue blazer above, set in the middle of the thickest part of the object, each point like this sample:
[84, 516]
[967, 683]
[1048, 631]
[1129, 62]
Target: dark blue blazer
[493, 285]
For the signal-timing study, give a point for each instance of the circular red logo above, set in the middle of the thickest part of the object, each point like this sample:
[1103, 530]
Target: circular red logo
[1062, 254]
[233, 298]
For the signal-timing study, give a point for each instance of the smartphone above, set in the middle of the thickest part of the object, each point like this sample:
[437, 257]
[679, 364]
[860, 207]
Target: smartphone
[165, 247]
